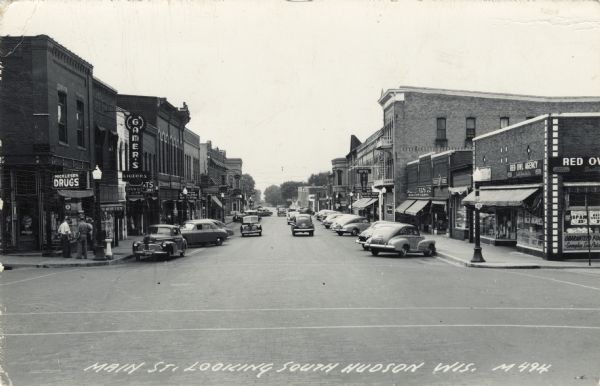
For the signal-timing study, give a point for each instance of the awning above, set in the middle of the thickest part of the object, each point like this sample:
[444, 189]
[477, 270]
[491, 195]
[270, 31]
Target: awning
[216, 201]
[402, 207]
[500, 197]
[76, 193]
[438, 202]
[418, 206]
[363, 203]
[458, 189]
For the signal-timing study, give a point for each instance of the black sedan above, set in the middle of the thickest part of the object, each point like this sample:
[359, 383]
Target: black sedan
[162, 240]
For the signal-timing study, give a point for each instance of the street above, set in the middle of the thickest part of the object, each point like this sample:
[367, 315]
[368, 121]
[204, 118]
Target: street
[279, 310]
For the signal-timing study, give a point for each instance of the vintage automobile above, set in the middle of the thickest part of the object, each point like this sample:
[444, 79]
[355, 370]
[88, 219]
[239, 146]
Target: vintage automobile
[330, 218]
[237, 215]
[364, 235]
[352, 225]
[401, 239]
[320, 215]
[204, 231]
[222, 225]
[161, 240]
[264, 212]
[251, 226]
[281, 212]
[291, 215]
[303, 224]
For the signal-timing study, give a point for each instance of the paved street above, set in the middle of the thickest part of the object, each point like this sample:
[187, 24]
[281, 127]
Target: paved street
[280, 310]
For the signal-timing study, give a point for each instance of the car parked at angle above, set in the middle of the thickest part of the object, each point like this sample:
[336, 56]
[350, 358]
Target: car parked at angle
[351, 225]
[401, 239]
[281, 212]
[222, 225]
[320, 215]
[330, 218]
[291, 215]
[161, 240]
[303, 224]
[204, 231]
[364, 235]
[251, 226]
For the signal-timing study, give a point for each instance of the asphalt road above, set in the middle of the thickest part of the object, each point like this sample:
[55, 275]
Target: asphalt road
[279, 310]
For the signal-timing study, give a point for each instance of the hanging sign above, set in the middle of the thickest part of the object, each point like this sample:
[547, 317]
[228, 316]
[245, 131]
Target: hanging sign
[136, 125]
[69, 181]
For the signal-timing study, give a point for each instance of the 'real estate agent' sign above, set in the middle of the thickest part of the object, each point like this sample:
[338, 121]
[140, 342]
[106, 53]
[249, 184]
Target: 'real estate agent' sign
[136, 125]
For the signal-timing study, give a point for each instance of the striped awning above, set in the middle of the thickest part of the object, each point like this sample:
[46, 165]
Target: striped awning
[500, 197]
[217, 201]
[402, 207]
[418, 206]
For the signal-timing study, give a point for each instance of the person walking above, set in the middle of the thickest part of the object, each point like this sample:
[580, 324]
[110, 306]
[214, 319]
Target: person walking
[84, 230]
[64, 230]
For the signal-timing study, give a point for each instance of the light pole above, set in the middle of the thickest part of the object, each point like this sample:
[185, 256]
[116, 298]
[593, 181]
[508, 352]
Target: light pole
[185, 204]
[351, 194]
[477, 256]
[99, 248]
[223, 206]
[382, 203]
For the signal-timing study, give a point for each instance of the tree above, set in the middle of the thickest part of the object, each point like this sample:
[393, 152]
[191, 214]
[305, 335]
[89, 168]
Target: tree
[273, 195]
[247, 183]
[289, 190]
[319, 179]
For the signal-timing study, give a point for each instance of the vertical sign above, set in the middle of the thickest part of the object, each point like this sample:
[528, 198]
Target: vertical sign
[136, 125]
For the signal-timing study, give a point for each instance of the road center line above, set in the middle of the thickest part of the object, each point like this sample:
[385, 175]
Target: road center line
[226, 310]
[383, 326]
[37, 277]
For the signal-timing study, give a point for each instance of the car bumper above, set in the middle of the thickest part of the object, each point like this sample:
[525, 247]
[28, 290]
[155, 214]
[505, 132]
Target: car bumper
[358, 241]
[296, 230]
[380, 247]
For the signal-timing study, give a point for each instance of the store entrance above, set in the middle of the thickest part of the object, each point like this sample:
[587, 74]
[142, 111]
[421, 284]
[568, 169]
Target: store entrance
[27, 226]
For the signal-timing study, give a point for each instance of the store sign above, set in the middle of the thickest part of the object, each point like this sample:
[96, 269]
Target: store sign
[138, 190]
[524, 169]
[69, 181]
[421, 191]
[192, 195]
[369, 194]
[579, 241]
[440, 181]
[135, 176]
[579, 217]
[136, 125]
[482, 174]
[576, 164]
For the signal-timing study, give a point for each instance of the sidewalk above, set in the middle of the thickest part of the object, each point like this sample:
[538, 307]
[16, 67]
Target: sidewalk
[36, 260]
[460, 252]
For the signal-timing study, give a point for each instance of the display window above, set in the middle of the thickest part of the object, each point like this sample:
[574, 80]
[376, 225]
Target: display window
[460, 213]
[499, 225]
[577, 236]
[530, 230]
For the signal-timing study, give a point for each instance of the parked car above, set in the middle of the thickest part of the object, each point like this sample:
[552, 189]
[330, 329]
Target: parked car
[264, 212]
[251, 226]
[251, 212]
[204, 231]
[329, 219]
[237, 215]
[320, 215]
[222, 226]
[401, 239]
[353, 225]
[281, 212]
[161, 240]
[291, 215]
[303, 224]
[364, 235]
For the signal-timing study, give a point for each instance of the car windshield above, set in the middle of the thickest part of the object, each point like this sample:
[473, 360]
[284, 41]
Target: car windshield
[159, 230]
[188, 226]
[250, 219]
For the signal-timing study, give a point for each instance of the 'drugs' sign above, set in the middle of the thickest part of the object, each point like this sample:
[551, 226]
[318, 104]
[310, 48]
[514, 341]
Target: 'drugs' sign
[135, 124]
[69, 181]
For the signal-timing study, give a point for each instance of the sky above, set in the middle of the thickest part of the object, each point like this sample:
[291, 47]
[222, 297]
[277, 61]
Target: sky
[283, 84]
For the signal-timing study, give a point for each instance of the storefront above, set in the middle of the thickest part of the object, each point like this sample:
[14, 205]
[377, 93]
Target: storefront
[366, 206]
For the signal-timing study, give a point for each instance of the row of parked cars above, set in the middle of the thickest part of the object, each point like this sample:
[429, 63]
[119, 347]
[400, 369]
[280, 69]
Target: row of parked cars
[378, 236]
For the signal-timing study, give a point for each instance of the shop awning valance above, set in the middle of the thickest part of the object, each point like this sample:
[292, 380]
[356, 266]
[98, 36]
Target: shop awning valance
[216, 201]
[371, 201]
[458, 189]
[402, 207]
[418, 206]
[76, 193]
[363, 203]
[500, 197]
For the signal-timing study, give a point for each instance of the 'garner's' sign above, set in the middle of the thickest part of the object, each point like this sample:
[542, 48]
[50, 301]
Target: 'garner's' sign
[136, 125]
[69, 181]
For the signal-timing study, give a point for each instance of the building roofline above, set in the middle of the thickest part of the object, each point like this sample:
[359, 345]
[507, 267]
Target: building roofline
[103, 84]
[484, 94]
[508, 128]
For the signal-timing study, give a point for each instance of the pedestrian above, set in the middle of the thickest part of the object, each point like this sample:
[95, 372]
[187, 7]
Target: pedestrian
[84, 230]
[64, 230]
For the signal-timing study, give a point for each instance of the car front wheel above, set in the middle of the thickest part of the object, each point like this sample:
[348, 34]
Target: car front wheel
[340, 233]
[374, 252]
[354, 232]
[430, 251]
[403, 252]
[219, 241]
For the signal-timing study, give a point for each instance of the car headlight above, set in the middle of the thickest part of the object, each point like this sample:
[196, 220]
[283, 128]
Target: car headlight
[162, 245]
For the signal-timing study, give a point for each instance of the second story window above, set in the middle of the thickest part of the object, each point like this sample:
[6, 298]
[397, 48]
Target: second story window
[441, 128]
[470, 129]
[339, 177]
[80, 124]
[504, 121]
[62, 118]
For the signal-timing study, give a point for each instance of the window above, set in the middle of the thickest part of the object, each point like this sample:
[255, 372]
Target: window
[441, 128]
[504, 121]
[62, 118]
[470, 128]
[80, 124]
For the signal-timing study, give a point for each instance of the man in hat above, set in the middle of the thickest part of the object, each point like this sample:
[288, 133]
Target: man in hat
[84, 230]
[64, 230]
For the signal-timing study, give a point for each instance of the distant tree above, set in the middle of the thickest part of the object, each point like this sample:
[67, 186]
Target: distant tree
[247, 183]
[289, 189]
[273, 195]
[319, 179]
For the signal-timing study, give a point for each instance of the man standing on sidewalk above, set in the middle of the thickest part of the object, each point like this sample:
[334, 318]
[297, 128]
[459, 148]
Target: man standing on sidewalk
[64, 230]
[84, 230]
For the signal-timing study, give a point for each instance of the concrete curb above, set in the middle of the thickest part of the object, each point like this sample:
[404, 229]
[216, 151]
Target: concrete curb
[465, 263]
[82, 263]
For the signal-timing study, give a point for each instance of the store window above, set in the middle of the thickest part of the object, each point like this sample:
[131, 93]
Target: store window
[530, 230]
[460, 213]
[575, 235]
[62, 117]
[499, 225]
[80, 124]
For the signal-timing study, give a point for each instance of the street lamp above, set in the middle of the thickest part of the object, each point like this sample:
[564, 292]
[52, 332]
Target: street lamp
[185, 203]
[351, 194]
[223, 206]
[98, 250]
[382, 208]
[477, 256]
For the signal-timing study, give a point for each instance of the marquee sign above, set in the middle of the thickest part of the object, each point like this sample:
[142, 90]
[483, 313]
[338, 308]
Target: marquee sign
[69, 181]
[524, 169]
[136, 125]
[576, 164]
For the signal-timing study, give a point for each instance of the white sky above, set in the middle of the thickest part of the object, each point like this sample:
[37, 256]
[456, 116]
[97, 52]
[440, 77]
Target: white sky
[283, 85]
